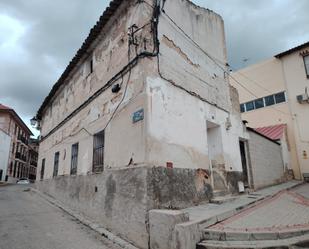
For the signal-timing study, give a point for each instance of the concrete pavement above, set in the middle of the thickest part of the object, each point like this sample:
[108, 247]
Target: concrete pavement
[29, 222]
[281, 221]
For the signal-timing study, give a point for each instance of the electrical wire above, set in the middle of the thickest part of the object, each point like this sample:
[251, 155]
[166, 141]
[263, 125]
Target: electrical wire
[217, 62]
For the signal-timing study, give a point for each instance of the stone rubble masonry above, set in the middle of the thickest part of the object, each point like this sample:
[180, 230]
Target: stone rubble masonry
[119, 200]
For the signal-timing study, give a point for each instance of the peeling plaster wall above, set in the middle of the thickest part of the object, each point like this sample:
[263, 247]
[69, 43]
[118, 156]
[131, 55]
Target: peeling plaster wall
[182, 62]
[110, 55]
[177, 129]
[176, 111]
[123, 139]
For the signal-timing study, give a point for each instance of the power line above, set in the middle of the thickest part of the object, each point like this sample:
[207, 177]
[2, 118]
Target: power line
[217, 62]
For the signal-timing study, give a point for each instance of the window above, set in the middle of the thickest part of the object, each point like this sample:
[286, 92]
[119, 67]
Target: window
[259, 103]
[15, 169]
[98, 152]
[74, 158]
[269, 100]
[42, 169]
[280, 97]
[249, 106]
[242, 108]
[13, 148]
[56, 164]
[89, 67]
[306, 61]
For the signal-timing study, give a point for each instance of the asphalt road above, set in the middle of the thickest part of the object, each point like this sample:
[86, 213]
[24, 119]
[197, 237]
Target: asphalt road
[29, 222]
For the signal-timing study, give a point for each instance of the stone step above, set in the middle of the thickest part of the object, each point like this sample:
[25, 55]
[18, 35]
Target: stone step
[290, 243]
[223, 199]
[218, 235]
[218, 193]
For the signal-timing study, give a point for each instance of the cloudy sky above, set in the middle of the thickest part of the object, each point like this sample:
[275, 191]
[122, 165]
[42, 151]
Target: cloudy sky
[39, 37]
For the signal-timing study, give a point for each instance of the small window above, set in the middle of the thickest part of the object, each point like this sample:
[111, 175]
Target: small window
[269, 100]
[56, 164]
[42, 169]
[280, 97]
[74, 158]
[306, 61]
[98, 152]
[242, 108]
[259, 103]
[249, 106]
[89, 66]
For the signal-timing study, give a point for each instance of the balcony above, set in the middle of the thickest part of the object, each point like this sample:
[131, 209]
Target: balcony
[19, 156]
[22, 139]
[34, 163]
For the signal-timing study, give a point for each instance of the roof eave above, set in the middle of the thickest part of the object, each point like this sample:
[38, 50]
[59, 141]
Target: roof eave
[94, 33]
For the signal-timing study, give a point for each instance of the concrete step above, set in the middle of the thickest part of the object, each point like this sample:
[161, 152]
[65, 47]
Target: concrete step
[218, 235]
[219, 193]
[223, 199]
[290, 243]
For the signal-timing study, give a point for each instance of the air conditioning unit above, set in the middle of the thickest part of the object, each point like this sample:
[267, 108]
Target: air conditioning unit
[302, 98]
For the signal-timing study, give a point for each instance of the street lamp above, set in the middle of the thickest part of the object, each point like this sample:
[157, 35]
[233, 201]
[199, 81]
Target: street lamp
[33, 121]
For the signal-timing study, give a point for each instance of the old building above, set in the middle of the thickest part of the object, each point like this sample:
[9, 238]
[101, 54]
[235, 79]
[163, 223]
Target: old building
[279, 96]
[33, 158]
[5, 142]
[156, 93]
[143, 117]
[13, 126]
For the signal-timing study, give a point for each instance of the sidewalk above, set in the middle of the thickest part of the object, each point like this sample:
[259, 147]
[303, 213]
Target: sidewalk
[202, 217]
[210, 214]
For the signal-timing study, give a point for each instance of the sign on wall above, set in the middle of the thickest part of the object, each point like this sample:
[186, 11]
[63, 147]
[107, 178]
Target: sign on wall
[138, 116]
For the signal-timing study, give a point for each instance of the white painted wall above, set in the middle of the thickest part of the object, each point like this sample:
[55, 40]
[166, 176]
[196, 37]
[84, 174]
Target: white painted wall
[177, 129]
[5, 142]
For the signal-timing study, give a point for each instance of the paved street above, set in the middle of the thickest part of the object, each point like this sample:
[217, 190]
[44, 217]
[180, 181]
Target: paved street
[29, 222]
[287, 211]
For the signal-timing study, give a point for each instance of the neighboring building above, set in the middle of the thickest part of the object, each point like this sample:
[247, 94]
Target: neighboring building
[275, 92]
[33, 158]
[265, 160]
[5, 142]
[121, 102]
[13, 126]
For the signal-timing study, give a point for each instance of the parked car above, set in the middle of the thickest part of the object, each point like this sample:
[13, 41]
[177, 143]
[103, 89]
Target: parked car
[23, 181]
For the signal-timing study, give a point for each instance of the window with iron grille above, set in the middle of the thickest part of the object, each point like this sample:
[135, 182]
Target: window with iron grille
[74, 159]
[98, 152]
[42, 169]
[306, 61]
[56, 164]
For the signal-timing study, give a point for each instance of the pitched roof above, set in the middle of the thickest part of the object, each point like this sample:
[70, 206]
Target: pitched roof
[274, 132]
[94, 33]
[6, 109]
[292, 50]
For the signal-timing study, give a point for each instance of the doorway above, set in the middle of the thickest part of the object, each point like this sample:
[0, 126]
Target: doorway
[244, 162]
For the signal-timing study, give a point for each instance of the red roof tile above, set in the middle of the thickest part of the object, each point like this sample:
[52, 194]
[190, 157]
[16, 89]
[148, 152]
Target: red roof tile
[274, 132]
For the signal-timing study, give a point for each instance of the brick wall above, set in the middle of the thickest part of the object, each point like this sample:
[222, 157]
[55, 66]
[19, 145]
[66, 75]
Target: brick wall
[266, 161]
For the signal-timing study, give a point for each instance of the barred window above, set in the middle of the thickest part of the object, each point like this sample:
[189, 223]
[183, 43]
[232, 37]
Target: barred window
[74, 159]
[56, 164]
[42, 169]
[306, 61]
[98, 152]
